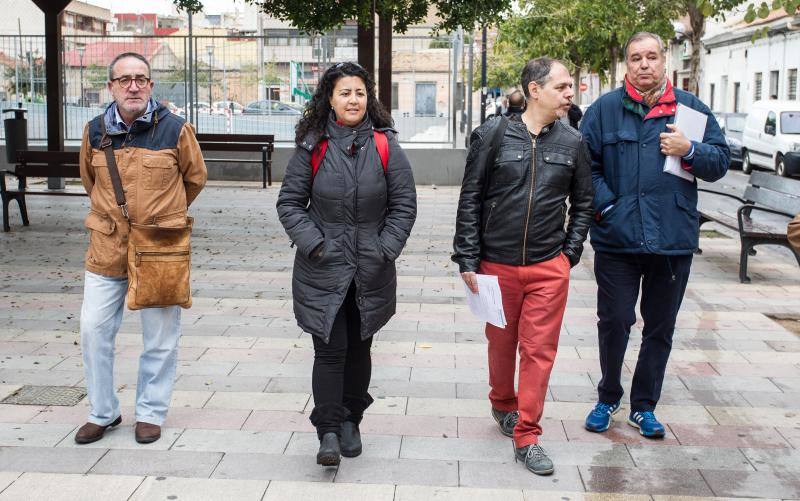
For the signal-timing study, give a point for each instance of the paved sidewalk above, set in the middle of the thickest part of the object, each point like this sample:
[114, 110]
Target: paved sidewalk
[239, 429]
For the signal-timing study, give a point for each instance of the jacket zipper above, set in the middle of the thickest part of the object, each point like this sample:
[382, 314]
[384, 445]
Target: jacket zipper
[140, 254]
[491, 209]
[530, 203]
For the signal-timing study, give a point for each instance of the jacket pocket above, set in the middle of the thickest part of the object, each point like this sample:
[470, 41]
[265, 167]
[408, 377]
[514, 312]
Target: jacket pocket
[158, 171]
[556, 170]
[102, 242]
[100, 167]
[509, 167]
[174, 219]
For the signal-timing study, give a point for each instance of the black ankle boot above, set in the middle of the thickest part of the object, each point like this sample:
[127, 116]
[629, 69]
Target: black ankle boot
[329, 450]
[350, 440]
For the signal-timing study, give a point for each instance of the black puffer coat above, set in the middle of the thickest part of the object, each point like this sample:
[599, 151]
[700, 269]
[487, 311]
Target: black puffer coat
[361, 217]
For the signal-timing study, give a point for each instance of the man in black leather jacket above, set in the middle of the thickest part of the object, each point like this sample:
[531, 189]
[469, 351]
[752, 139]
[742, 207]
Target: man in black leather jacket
[511, 223]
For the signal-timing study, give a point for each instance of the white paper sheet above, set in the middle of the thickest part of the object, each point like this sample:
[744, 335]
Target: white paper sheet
[487, 304]
[692, 124]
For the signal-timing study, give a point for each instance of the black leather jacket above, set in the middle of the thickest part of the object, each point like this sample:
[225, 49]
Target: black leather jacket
[518, 219]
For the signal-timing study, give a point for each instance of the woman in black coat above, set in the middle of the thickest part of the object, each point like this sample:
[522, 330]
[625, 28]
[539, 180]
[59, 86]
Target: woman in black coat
[348, 203]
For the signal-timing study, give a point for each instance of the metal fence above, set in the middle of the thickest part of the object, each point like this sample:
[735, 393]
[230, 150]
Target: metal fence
[243, 84]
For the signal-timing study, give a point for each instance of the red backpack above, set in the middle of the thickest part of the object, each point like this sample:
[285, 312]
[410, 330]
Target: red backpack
[381, 143]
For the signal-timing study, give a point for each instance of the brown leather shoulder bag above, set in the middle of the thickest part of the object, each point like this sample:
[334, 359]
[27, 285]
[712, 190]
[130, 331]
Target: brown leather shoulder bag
[159, 257]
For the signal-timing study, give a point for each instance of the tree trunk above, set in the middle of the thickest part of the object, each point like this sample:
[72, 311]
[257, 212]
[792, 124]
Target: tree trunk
[385, 60]
[366, 44]
[698, 26]
[576, 85]
[612, 70]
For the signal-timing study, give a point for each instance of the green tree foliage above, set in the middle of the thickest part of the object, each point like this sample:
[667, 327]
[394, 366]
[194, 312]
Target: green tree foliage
[586, 34]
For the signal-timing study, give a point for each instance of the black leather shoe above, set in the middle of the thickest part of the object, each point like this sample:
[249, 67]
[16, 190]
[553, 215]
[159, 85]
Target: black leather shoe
[350, 440]
[329, 450]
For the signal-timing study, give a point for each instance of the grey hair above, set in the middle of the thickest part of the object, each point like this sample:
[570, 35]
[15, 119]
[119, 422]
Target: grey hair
[536, 70]
[134, 55]
[644, 35]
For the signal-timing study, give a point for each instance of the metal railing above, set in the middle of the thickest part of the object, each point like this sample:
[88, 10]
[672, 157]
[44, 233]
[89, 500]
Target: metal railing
[223, 88]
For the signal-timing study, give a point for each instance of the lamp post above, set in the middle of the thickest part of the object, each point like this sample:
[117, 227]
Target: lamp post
[81, 49]
[210, 49]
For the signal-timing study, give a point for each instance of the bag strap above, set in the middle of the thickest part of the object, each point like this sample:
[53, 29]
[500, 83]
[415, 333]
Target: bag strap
[381, 144]
[498, 131]
[113, 171]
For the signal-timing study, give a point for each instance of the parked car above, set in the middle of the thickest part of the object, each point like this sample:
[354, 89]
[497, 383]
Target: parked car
[771, 137]
[732, 125]
[175, 109]
[268, 107]
[219, 107]
[202, 107]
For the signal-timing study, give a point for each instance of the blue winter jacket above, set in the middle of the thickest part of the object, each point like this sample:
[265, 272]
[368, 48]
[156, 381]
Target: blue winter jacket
[651, 211]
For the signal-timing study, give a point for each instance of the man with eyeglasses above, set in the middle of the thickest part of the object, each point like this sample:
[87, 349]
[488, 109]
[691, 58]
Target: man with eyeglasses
[162, 171]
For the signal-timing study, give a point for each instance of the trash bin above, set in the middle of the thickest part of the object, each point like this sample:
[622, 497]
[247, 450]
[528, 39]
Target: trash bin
[16, 133]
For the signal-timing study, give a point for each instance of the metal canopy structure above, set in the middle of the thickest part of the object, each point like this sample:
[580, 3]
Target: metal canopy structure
[55, 92]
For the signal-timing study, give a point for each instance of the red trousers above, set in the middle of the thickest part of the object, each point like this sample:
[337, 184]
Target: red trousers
[534, 299]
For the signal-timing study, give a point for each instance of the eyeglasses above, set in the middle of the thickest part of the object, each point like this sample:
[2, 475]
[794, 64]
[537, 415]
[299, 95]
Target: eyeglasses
[125, 80]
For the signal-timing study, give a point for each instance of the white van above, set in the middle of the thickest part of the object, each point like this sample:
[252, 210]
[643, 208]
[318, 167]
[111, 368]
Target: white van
[771, 137]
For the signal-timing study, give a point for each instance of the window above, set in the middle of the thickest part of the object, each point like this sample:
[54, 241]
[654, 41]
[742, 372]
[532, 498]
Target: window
[711, 96]
[774, 76]
[737, 87]
[757, 87]
[769, 126]
[395, 99]
[790, 122]
[791, 85]
[734, 123]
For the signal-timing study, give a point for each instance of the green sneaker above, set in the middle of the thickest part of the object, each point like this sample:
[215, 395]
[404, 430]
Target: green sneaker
[535, 459]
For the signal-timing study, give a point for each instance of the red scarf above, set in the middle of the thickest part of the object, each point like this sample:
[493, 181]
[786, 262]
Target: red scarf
[664, 106]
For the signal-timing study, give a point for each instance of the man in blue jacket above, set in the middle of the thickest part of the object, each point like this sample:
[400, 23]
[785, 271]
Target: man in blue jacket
[646, 227]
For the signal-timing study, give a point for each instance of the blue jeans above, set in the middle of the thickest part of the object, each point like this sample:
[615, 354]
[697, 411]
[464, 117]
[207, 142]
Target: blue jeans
[101, 316]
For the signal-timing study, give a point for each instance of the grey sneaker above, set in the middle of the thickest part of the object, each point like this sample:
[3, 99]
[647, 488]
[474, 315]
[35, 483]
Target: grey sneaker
[535, 459]
[506, 421]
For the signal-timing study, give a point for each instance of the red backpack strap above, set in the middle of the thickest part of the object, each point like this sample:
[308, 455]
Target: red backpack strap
[382, 144]
[317, 155]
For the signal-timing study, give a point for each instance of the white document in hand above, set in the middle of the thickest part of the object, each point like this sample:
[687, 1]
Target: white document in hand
[692, 124]
[487, 304]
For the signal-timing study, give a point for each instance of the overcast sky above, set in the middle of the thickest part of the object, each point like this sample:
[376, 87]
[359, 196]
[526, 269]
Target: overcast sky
[164, 6]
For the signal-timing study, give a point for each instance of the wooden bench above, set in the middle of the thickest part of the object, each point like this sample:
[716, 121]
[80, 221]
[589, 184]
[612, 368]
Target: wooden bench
[767, 194]
[265, 143]
[38, 164]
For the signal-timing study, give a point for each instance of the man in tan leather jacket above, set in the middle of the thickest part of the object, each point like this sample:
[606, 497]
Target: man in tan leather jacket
[162, 172]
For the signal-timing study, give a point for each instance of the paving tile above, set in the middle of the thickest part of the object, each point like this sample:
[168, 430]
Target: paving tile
[639, 481]
[18, 413]
[456, 449]
[447, 407]
[512, 475]
[48, 460]
[619, 433]
[221, 383]
[753, 484]
[215, 419]
[7, 477]
[273, 467]
[729, 436]
[163, 488]
[399, 472]
[33, 435]
[123, 437]
[397, 388]
[282, 421]
[31, 486]
[158, 463]
[425, 426]
[383, 405]
[738, 416]
[420, 493]
[729, 383]
[689, 457]
[265, 442]
[258, 401]
[292, 491]
[374, 446]
[778, 461]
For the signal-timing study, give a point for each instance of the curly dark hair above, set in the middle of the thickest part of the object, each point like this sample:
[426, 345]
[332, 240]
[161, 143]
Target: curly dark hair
[315, 116]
